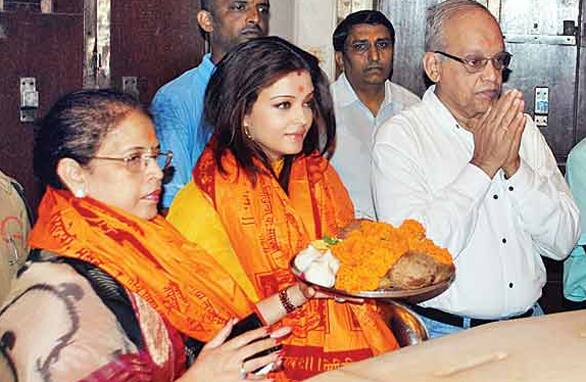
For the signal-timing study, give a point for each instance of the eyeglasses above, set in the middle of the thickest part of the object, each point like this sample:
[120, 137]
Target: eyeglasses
[476, 64]
[362, 47]
[138, 162]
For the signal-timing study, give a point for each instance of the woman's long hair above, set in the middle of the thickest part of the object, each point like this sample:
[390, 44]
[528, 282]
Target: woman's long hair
[234, 88]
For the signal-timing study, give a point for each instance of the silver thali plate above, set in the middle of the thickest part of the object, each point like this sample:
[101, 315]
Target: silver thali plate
[412, 295]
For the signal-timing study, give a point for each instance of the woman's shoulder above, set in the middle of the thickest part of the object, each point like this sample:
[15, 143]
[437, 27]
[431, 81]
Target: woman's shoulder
[56, 326]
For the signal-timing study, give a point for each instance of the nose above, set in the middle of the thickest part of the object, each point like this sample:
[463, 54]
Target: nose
[373, 53]
[304, 116]
[153, 170]
[490, 72]
[253, 16]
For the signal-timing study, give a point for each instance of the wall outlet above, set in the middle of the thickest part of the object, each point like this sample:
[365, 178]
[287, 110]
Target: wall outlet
[541, 120]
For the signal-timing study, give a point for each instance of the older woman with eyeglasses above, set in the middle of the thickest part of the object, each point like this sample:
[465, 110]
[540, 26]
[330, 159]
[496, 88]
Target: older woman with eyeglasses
[114, 292]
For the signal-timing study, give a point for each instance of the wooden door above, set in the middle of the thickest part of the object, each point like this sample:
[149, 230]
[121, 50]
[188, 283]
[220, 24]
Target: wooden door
[48, 47]
[154, 41]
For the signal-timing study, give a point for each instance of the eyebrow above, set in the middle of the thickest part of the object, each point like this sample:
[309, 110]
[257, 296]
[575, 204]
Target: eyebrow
[367, 40]
[143, 148]
[477, 53]
[291, 96]
[283, 96]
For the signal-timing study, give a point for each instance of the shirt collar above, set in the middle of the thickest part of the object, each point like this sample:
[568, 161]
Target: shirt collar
[387, 99]
[440, 110]
[207, 63]
[346, 95]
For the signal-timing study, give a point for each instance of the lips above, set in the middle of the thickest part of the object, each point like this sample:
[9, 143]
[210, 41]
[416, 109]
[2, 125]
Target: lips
[374, 69]
[153, 196]
[251, 31]
[489, 93]
[297, 136]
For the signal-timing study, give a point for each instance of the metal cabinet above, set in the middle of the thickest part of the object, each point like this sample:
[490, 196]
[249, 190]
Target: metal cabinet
[544, 38]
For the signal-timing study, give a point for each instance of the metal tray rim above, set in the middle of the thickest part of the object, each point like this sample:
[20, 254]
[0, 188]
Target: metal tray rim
[379, 293]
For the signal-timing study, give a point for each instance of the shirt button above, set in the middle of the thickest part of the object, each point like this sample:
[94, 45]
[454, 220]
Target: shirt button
[511, 285]
[511, 188]
[504, 240]
[495, 196]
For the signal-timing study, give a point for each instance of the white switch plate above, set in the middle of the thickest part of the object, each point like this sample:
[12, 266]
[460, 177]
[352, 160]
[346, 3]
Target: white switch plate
[541, 100]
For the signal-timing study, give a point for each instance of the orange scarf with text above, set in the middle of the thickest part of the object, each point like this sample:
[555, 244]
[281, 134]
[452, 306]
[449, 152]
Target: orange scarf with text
[267, 228]
[150, 258]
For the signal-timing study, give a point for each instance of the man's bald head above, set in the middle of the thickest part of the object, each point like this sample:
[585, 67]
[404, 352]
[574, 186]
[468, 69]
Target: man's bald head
[438, 17]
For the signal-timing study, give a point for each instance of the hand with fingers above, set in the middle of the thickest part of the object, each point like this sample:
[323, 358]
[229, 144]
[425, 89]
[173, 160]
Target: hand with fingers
[310, 292]
[497, 134]
[513, 161]
[232, 361]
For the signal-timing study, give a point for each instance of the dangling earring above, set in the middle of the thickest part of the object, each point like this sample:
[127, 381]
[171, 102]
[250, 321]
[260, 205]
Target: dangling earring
[79, 193]
[247, 132]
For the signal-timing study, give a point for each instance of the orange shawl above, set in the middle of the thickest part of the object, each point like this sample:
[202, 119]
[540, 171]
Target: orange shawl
[268, 228]
[149, 258]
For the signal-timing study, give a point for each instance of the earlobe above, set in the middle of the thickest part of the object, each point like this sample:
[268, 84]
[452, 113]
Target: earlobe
[339, 57]
[246, 127]
[72, 176]
[432, 66]
[205, 21]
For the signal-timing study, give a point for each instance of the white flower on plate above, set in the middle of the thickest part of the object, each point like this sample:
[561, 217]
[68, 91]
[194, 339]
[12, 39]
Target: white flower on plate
[318, 267]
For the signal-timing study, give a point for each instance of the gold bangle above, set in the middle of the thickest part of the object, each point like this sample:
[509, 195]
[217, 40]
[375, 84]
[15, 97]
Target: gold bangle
[286, 302]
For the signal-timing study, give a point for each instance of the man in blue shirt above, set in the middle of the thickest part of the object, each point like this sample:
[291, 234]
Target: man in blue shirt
[177, 107]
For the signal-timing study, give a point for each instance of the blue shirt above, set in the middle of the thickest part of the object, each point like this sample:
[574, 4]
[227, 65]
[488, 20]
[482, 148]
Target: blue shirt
[177, 111]
[575, 264]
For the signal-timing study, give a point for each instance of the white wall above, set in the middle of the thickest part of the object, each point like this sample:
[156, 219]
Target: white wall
[315, 21]
[282, 18]
[310, 23]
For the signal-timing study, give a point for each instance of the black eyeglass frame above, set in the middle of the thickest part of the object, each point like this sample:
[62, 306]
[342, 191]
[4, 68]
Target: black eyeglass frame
[506, 61]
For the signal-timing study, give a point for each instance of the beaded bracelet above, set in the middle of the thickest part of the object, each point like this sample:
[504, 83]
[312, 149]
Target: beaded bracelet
[286, 302]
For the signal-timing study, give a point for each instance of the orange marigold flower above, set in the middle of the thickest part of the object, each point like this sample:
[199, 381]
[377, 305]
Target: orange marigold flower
[368, 252]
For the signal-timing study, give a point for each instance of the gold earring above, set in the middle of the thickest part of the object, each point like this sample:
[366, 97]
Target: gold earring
[247, 132]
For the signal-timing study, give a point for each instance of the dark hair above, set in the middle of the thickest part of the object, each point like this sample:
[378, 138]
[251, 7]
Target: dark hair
[206, 5]
[234, 88]
[361, 17]
[75, 128]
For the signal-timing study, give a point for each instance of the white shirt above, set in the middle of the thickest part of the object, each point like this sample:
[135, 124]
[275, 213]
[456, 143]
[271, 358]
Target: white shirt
[355, 127]
[495, 229]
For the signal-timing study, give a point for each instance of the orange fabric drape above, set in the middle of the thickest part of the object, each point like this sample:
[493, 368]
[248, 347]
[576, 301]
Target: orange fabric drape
[150, 258]
[267, 228]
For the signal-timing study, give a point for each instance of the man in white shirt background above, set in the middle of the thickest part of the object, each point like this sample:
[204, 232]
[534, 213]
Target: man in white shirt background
[363, 98]
[477, 173]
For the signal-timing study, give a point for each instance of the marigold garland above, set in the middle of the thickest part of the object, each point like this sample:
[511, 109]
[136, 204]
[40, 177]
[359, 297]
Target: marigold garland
[368, 252]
